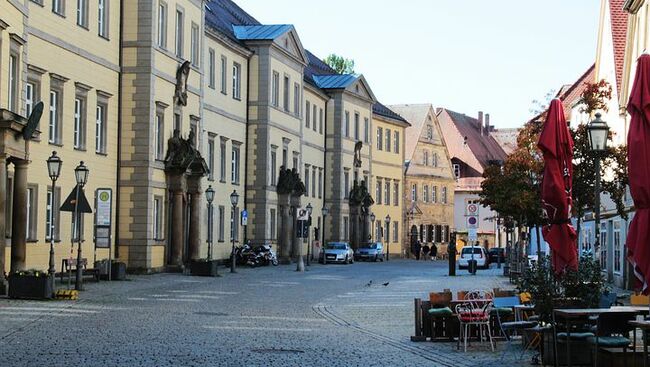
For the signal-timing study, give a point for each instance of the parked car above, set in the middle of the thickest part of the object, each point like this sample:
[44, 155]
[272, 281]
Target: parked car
[480, 255]
[337, 252]
[497, 255]
[370, 251]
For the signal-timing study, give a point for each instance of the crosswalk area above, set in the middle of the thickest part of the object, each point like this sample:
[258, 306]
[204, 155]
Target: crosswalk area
[182, 296]
[13, 313]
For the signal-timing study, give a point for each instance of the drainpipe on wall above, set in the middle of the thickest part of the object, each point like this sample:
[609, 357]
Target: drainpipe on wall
[245, 196]
[119, 138]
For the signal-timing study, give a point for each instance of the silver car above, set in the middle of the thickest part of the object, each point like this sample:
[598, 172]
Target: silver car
[370, 251]
[337, 252]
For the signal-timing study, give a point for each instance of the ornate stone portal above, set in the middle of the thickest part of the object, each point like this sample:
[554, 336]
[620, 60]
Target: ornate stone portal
[15, 135]
[184, 167]
[290, 189]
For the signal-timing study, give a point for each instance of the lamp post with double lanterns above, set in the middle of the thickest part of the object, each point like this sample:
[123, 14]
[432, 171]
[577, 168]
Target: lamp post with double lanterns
[310, 209]
[598, 134]
[387, 237]
[81, 175]
[209, 196]
[325, 211]
[234, 199]
[54, 164]
[372, 221]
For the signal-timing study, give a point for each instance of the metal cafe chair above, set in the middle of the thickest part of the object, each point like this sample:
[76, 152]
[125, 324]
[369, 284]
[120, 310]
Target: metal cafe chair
[473, 314]
[508, 328]
[613, 331]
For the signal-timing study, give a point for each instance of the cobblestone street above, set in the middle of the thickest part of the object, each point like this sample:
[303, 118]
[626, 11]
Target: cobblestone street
[265, 316]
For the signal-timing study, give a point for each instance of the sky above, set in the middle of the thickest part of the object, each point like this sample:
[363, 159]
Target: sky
[495, 56]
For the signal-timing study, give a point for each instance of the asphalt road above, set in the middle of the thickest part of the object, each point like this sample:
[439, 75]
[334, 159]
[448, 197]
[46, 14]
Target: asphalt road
[271, 316]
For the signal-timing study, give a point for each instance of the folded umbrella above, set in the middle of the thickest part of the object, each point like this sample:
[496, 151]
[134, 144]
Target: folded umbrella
[556, 144]
[638, 156]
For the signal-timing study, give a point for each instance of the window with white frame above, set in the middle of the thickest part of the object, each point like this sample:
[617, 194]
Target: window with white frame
[54, 124]
[380, 138]
[32, 197]
[162, 25]
[179, 33]
[160, 135]
[414, 192]
[378, 190]
[443, 194]
[82, 13]
[434, 194]
[274, 166]
[346, 126]
[222, 161]
[346, 184]
[211, 69]
[306, 180]
[616, 238]
[425, 158]
[224, 75]
[100, 129]
[313, 125]
[52, 213]
[395, 231]
[102, 17]
[320, 183]
[320, 121]
[388, 140]
[366, 130]
[157, 217]
[313, 182]
[286, 93]
[434, 159]
[234, 176]
[78, 136]
[396, 193]
[296, 99]
[58, 7]
[429, 132]
[13, 83]
[236, 81]
[29, 98]
[211, 158]
[275, 89]
[425, 193]
[356, 126]
[194, 39]
[387, 192]
[396, 142]
[603, 246]
[307, 114]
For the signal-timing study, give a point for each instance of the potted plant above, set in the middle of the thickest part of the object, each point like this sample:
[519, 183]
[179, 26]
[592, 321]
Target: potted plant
[30, 284]
[203, 267]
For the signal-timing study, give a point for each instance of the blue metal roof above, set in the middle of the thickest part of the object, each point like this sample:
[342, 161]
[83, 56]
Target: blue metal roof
[334, 81]
[260, 32]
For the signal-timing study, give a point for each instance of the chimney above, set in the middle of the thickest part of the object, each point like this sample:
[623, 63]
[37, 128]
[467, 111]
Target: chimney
[487, 124]
[480, 122]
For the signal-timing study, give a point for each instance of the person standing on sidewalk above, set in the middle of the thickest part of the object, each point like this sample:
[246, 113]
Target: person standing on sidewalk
[418, 248]
[425, 252]
[434, 252]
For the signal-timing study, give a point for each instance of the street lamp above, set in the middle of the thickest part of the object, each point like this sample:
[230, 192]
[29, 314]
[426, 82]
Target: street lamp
[325, 211]
[54, 164]
[209, 196]
[598, 134]
[310, 209]
[372, 230]
[234, 198]
[387, 237]
[81, 175]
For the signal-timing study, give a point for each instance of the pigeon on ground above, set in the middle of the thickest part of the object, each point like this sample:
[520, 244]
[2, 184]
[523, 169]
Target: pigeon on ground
[386, 284]
[369, 284]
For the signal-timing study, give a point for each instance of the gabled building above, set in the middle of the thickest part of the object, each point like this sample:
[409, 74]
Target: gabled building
[472, 149]
[428, 179]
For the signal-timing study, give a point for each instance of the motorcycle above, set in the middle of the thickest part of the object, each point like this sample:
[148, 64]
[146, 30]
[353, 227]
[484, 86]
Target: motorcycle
[267, 254]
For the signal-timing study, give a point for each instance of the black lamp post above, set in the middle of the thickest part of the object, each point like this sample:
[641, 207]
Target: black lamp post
[310, 209]
[372, 230]
[598, 134]
[209, 196]
[234, 198]
[387, 237]
[81, 175]
[325, 211]
[54, 164]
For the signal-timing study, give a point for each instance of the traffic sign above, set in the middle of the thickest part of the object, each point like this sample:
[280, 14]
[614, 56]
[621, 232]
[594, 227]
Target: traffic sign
[472, 235]
[472, 209]
[303, 214]
[302, 229]
[472, 221]
[244, 217]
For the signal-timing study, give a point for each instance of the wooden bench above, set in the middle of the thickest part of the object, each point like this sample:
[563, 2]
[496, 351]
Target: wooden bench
[70, 269]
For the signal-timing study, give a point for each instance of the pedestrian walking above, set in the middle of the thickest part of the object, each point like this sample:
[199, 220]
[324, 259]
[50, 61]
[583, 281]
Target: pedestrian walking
[418, 248]
[434, 252]
[425, 252]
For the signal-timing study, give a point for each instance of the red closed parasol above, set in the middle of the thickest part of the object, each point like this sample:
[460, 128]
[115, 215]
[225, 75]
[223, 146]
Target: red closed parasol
[556, 144]
[638, 156]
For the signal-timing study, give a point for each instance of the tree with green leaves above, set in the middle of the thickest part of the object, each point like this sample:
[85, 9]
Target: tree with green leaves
[340, 64]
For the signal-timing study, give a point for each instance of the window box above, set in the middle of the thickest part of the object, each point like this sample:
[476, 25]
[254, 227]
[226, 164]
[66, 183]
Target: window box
[204, 268]
[30, 285]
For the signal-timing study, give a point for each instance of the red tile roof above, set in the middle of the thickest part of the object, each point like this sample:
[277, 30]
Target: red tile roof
[570, 96]
[619, 35]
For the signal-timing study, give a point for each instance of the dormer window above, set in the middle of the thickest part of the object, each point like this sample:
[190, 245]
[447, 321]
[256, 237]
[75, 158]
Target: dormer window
[456, 167]
[429, 132]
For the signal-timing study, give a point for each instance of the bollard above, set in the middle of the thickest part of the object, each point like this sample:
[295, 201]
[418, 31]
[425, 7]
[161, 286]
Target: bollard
[451, 254]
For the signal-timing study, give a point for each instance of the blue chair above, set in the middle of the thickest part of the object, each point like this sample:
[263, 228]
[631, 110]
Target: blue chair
[508, 328]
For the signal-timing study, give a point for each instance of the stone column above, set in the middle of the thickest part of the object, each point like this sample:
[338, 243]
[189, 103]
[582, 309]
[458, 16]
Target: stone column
[286, 225]
[176, 258]
[19, 216]
[194, 189]
[365, 223]
[295, 241]
[3, 205]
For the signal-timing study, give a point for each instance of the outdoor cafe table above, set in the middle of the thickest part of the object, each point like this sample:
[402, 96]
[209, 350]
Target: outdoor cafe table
[644, 325]
[570, 314]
